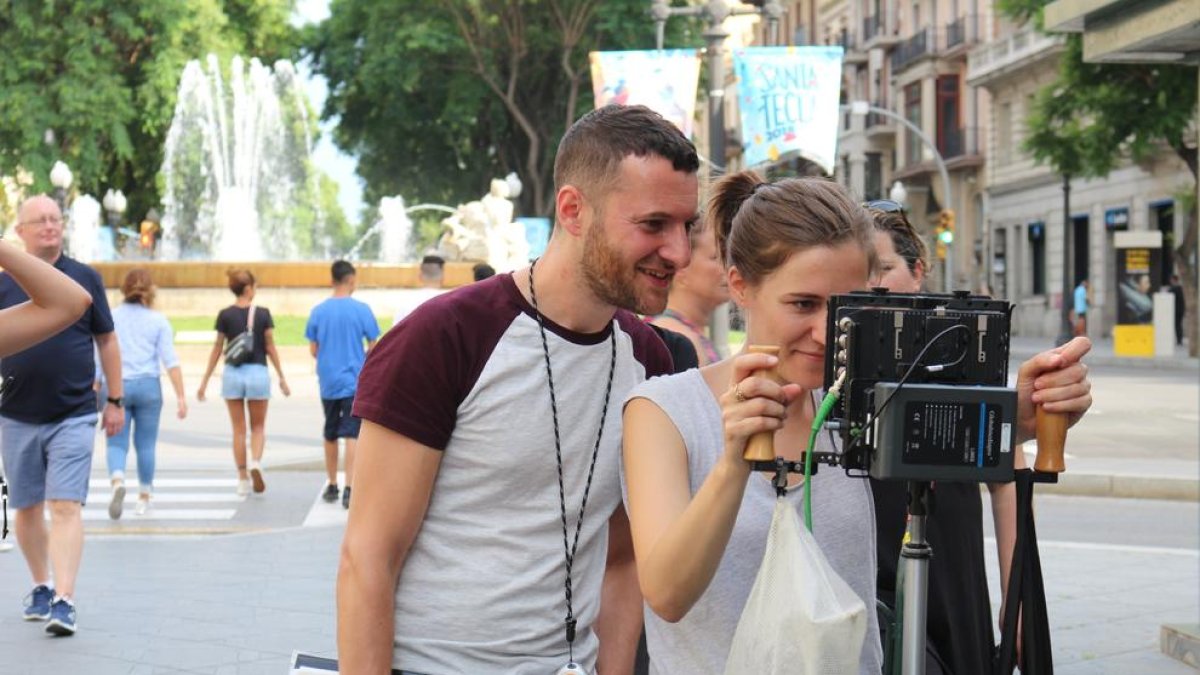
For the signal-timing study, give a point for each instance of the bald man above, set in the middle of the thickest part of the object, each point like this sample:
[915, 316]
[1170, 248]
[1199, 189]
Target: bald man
[48, 417]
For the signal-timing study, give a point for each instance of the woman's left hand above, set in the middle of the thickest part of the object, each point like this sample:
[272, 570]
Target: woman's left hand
[283, 386]
[181, 408]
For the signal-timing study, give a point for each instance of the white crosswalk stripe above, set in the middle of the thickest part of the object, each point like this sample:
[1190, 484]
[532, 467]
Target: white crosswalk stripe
[322, 513]
[175, 498]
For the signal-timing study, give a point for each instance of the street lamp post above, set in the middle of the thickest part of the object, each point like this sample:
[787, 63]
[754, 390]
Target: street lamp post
[714, 12]
[1066, 332]
[60, 178]
[114, 203]
[862, 108]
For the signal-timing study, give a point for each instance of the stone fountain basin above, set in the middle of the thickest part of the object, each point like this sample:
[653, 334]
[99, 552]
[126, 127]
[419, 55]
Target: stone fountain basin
[199, 288]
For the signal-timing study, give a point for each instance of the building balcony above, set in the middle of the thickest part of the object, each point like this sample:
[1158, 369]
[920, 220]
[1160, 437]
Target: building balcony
[876, 125]
[851, 53]
[998, 59]
[961, 147]
[961, 35]
[913, 49]
[875, 33]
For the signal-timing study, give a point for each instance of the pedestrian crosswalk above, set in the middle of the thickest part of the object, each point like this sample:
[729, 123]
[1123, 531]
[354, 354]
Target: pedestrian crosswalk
[175, 498]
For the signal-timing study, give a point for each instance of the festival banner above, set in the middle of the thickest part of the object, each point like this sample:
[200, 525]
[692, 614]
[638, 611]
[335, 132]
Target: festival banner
[789, 100]
[663, 80]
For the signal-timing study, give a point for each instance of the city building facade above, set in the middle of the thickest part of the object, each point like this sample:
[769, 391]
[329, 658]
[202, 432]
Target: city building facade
[968, 79]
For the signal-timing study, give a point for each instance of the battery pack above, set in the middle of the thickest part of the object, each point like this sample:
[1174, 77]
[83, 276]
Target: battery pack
[930, 432]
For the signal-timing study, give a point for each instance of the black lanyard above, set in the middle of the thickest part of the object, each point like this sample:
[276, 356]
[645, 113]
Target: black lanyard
[569, 550]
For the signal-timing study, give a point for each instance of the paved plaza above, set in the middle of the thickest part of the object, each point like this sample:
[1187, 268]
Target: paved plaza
[213, 583]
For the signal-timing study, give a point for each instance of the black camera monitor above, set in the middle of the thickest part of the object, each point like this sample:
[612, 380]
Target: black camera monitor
[925, 395]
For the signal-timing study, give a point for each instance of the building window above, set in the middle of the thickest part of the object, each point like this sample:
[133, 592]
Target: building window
[1037, 255]
[1004, 139]
[873, 187]
[912, 113]
[949, 137]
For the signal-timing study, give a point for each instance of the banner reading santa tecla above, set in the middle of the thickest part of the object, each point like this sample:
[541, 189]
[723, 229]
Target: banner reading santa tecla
[789, 101]
[663, 80]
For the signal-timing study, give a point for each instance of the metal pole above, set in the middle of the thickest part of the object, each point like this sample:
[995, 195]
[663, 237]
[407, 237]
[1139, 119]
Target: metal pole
[861, 107]
[1065, 333]
[718, 325]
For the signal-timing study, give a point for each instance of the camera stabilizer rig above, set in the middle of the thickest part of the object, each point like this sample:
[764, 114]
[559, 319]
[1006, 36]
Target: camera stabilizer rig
[916, 388]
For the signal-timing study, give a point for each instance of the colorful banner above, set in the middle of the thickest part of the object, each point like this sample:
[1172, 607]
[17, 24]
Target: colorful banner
[663, 80]
[789, 99]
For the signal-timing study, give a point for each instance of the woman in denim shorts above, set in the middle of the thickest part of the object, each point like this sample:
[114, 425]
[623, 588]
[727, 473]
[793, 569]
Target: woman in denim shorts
[246, 388]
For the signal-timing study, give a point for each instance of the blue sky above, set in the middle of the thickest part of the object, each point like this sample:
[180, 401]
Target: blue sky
[337, 164]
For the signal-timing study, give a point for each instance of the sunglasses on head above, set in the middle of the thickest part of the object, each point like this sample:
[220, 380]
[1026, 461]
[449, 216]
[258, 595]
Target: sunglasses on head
[886, 206]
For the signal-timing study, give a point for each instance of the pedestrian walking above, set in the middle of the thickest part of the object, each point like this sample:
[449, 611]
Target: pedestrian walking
[147, 346]
[432, 273]
[48, 420]
[246, 336]
[336, 332]
[1081, 305]
[1176, 290]
[461, 403]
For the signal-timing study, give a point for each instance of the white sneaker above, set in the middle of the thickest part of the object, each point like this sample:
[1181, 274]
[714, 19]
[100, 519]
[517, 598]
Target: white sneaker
[117, 503]
[143, 505]
[243, 488]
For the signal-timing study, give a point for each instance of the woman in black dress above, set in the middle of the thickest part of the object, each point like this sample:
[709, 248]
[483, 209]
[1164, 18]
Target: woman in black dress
[959, 635]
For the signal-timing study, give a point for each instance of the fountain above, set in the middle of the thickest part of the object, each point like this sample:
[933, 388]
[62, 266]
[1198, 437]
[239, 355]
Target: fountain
[395, 229]
[83, 231]
[238, 183]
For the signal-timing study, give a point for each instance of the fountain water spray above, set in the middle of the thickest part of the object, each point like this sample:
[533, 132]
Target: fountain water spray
[236, 165]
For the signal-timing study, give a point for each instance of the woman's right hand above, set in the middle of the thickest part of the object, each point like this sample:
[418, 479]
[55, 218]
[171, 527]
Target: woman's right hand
[200, 391]
[753, 403]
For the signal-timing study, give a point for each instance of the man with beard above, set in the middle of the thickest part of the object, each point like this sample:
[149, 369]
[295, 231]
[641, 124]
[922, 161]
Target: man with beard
[487, 532]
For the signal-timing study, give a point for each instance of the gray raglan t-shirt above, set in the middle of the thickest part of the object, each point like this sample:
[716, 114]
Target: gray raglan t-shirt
[843, 524]
[482, 588]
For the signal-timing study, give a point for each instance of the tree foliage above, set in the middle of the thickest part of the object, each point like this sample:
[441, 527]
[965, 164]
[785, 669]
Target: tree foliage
[1095, 115]
[92, 82]
[437, 98]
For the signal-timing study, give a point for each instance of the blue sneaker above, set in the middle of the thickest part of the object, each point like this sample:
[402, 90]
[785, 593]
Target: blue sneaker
[37, 603]
[62, 618]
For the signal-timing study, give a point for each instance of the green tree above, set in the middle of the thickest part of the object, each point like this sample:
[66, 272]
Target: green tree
[437, 98]
[92, 82]
[1094, 116]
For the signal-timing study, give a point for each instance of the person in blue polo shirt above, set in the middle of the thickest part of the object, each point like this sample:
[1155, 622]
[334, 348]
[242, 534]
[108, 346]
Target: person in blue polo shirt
[48, 419]
[336, 331]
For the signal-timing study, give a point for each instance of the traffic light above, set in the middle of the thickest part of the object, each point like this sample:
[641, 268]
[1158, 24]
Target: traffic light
[945, 228]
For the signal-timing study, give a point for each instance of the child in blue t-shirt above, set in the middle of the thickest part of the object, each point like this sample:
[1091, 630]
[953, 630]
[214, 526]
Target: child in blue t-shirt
[340, 330]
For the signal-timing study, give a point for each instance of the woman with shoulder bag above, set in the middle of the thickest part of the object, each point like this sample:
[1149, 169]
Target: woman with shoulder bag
[245, 383]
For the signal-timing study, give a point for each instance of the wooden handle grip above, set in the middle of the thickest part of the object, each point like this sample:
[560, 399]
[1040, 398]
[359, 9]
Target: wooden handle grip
[761, 446]
[1051, 441]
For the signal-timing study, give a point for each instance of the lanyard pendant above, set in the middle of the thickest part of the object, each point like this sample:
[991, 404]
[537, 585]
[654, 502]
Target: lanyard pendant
[572, 668]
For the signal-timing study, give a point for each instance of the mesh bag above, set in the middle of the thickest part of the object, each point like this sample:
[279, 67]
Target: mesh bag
[801, 617]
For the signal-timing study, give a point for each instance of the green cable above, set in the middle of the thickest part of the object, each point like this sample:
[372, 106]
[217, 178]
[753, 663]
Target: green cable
[823, 411]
